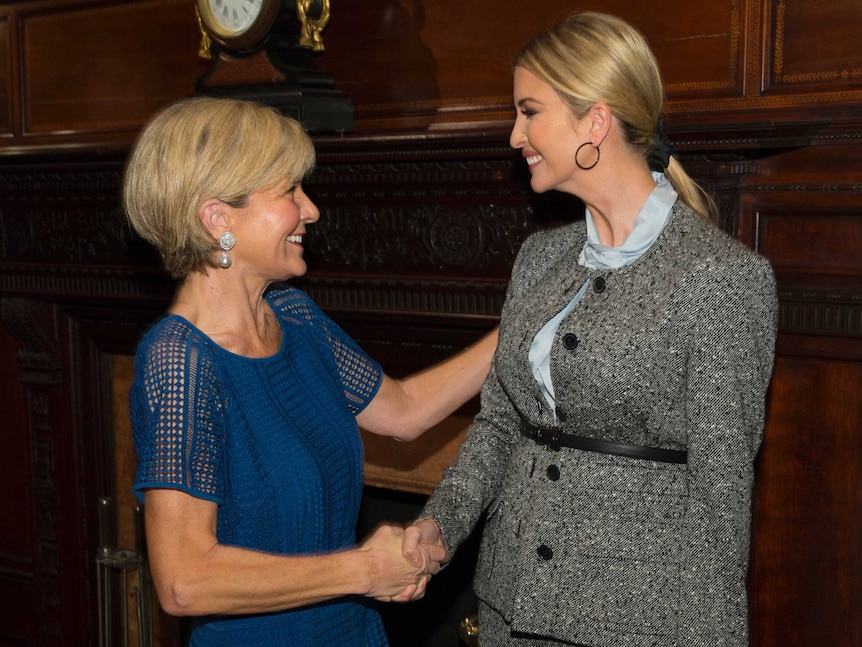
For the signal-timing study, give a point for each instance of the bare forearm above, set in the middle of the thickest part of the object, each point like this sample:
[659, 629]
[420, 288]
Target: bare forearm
[195, 575]
[438, 391]
[235, 581]
[406, 408]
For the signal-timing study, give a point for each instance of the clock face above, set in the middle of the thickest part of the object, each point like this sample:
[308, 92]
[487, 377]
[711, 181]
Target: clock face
[228, 20]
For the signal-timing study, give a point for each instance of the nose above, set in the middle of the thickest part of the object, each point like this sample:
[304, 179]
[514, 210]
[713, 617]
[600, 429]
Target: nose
[307, 209]
[518, 137]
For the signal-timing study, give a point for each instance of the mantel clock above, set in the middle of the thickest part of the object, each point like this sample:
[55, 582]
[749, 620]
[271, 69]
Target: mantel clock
[263, 50]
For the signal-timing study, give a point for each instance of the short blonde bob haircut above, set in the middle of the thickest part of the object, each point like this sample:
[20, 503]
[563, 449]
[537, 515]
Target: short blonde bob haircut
[593, 57]
[203, 148]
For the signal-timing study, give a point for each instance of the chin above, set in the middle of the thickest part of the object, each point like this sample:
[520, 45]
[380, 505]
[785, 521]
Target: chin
[537, 187]
[287, 276]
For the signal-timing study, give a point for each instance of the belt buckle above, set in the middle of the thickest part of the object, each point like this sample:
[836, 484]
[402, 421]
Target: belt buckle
[553, 439]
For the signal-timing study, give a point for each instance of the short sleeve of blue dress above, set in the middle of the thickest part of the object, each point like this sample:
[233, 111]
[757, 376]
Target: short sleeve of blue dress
[177, 412]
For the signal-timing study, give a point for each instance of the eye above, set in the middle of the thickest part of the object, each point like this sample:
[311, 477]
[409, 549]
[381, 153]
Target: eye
[528, 112]
[291, 190]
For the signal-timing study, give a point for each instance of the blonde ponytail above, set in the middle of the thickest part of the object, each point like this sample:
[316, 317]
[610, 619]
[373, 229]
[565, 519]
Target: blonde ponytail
[690, 192]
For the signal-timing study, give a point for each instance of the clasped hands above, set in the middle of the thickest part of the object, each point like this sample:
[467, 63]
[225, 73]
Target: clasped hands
[404, 559]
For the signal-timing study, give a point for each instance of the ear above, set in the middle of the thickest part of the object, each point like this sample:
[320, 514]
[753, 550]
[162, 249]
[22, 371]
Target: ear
[212, 214]
[599, 119]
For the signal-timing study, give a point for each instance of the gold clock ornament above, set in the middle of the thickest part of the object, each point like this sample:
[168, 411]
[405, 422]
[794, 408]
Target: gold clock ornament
[243, 25]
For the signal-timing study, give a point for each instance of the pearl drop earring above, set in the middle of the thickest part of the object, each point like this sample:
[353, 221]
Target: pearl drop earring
[226, 241]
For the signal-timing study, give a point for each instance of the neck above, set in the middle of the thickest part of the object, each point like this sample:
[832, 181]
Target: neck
[235, 317]
[617, 201]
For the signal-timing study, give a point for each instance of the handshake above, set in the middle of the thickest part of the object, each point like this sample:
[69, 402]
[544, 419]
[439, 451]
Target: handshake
[401, 560]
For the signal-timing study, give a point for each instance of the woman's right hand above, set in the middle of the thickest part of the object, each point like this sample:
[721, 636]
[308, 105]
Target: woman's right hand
[424, 536]
[393, 578]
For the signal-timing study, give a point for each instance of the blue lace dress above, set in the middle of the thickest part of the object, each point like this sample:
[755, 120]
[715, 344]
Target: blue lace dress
[274, 443]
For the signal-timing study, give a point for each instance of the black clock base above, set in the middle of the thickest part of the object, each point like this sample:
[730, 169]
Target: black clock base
[320, 110]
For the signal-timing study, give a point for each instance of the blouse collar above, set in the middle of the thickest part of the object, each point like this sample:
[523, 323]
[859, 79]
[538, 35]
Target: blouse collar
[649, 224]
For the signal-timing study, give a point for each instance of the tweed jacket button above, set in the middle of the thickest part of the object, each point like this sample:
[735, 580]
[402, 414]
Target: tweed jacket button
[553, 472]
[570, 341]
[599, 284]
[561, 415]
[545, 552]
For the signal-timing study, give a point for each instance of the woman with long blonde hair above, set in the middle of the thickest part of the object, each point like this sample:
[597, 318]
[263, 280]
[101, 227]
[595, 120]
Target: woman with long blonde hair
[613, 455]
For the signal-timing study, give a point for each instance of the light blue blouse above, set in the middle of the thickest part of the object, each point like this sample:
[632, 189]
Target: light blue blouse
[648, 225]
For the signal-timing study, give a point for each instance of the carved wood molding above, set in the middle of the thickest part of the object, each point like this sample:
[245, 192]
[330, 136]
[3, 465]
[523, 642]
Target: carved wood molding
[820, 312]
[443, 299]
[42, 373]
[421, 227]
[417, 227]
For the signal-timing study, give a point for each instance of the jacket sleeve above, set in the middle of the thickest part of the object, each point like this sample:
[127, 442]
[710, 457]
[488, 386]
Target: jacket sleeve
[730, 328]
[473, 481]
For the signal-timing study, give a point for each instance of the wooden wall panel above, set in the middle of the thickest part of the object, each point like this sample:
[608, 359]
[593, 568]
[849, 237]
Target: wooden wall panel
[94, 71]
[701, 53]
[49, 591]
[15, 546]
[821, 241]
[6, 76]
[813, 46]
[448, 63]
[710, 59]
[803, 210]
[806, 568]
[18, 624]
[117, 64]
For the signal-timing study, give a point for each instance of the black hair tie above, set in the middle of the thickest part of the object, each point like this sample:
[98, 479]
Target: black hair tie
[662, 151]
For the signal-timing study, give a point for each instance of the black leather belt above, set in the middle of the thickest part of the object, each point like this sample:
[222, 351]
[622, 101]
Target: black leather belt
[553, 438]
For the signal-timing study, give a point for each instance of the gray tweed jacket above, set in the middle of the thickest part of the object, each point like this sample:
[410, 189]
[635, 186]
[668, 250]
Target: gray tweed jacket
[674, 351]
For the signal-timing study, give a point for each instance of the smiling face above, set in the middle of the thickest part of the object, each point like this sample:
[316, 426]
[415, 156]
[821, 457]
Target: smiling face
[546, 133]
[269, 230]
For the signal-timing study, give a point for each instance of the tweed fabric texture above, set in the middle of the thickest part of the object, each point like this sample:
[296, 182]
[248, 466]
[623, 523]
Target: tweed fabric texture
[496, 631]
[274, 442]
[675, 351]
